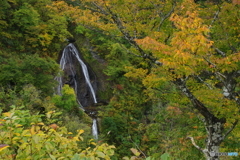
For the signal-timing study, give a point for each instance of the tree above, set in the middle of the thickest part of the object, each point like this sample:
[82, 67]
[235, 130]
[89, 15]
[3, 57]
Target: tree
[193, 55]
[32, 27]
[20, 70]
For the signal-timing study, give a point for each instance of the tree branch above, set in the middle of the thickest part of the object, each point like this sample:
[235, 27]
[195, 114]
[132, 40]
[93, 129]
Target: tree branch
[138, 147]
[230, 130]
[220, 52]
[208, 85]
[129, 38]
[194, 144]
[100, 8]
[215, 17]
[166, 16]
[196, 103]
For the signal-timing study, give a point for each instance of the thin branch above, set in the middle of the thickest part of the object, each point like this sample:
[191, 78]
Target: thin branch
[137, 147]
[194, 144]
[215, 17]
[161, 15]
[100, 8]
[215, 66]
[210, 62]
[165, 17]
[129, 51]
[94, 10]
[230, 130]
[218, 73]
[208, 85]
[128, 37]
[220, 52]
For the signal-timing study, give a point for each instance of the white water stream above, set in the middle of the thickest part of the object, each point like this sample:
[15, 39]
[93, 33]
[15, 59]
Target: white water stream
[95, 128]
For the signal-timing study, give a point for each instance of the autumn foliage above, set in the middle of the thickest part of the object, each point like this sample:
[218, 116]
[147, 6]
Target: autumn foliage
[168, 74]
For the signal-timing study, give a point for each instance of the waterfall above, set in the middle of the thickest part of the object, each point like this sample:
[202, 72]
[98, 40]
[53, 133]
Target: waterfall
[67, 58]
[68, 61]
[95, 128]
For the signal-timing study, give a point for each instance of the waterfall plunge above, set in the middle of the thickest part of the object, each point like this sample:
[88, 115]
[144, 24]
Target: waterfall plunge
[66, 63]
[95, 128]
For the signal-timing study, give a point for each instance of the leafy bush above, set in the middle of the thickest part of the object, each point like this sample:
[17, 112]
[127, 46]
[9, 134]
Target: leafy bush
[67, 100]
[24, 136]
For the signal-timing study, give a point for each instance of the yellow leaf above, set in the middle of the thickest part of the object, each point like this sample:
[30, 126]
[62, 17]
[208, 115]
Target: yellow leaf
[76, 138]
[3, 146]
[135, 151]
[17, 134]
[19, 125]
[49, 114]
[27, 135]
[80, 131]
[93, 143]
[32, 130]
[7, 114]
[41, 124]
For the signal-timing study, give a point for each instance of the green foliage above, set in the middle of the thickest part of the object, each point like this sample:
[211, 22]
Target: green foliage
[74, 121]
[117, 61]
[226, 33]
[17, 71]
[167, 130]
[34, 140]
[113, 128]
[165, 156]
[25, 18]
[146, 111]
[145, 100]
[29, 96]
[67, 100]
[33, 25]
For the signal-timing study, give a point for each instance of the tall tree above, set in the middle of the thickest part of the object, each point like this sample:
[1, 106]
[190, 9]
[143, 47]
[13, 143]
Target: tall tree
[183, 44]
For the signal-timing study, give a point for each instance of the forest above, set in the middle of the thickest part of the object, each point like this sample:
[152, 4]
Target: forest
[166, 79]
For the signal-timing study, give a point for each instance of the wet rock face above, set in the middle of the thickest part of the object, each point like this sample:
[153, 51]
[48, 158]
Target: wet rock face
[78, 75]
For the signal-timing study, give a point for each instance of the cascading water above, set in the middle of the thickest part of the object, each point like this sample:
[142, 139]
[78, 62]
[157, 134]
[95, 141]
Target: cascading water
[79, 80]
[95, 128]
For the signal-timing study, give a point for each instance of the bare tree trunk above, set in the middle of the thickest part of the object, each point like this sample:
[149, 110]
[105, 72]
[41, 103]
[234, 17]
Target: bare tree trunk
[214, 138]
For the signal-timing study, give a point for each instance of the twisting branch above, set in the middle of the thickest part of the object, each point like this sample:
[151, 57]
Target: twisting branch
[230, 130]
[194, 144]
[208, 85]
[161, 15]
[129, 38]
[166, 16]
[215, 16]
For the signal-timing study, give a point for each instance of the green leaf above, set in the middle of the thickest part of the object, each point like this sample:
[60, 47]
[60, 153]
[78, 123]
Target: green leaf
[100, 154]
[165, 156]
[76, 157]
[150, 158]
[52, 157]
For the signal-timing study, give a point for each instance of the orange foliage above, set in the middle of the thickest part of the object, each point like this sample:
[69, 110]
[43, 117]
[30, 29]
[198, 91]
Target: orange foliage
[119, 87]
[175, 110]
[54, 126]
[236, 1]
